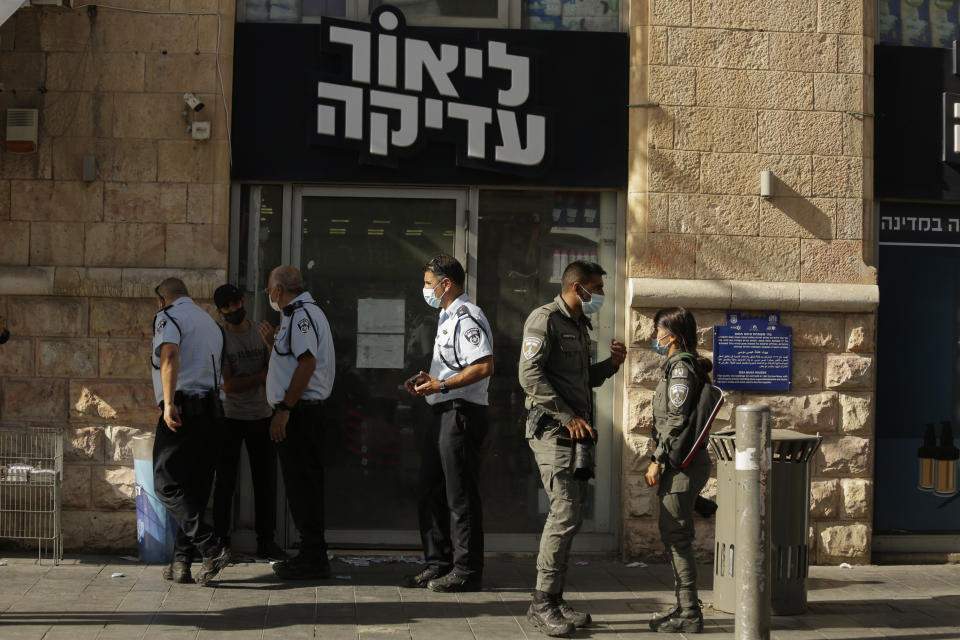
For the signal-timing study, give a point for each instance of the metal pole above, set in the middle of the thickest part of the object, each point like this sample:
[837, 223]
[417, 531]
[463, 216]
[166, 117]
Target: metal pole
[752, 559]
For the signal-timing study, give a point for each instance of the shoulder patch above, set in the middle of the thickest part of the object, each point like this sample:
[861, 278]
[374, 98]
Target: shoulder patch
[473, 336]
[303, 325]
[161, 324]
[679, 371]
[531, 346]
[678, 394]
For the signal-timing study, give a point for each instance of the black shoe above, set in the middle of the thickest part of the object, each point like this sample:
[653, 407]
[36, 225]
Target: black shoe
[177, 571]
[544, 614]
[678, 621]
[302, 569]
[452, 583]
[569, 614]
[213, 565]
[271, 551]
[420, 580]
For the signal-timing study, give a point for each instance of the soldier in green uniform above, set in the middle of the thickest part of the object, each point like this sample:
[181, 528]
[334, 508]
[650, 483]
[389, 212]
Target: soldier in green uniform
[674, 405]
[556, 374]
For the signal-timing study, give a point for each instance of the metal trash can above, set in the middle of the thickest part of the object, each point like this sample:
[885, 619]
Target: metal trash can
[789, 521]
[156, 530]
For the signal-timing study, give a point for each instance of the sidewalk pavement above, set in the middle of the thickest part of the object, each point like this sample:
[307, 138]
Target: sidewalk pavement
[80, 600]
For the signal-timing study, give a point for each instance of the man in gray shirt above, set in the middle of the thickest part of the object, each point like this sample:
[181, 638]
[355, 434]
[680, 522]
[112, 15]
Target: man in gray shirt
[247, 420]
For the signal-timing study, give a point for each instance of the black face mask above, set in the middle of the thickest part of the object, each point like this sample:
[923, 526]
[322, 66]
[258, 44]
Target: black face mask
[235, 317]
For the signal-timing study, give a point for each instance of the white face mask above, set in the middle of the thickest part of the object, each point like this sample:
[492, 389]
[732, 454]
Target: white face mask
[592, 305]
[430, 297]
[274, 305]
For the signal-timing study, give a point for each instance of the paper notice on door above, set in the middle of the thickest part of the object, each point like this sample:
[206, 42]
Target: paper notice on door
[379, 351]
[377, 315]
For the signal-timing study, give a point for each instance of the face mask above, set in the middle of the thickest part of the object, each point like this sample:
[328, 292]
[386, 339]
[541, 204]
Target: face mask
[274, 305]
[235, 317]
[660, 349]
[593, 305]
[430, 297]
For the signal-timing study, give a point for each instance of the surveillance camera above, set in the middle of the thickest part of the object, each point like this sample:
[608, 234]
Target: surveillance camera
[192, 101]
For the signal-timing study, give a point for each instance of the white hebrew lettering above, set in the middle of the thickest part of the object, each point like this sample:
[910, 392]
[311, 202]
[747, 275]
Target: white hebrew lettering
[936, 225]
[419, 55]
[360, 41]
[511, 150]
[352, 98]
[387, 60]
[406, 135]
[519, 68]
[477, 119]
[885, 223]
[473, 63]
[433, 113]
[896, 220]
[924, 227]
[913, 222]
[953, 225]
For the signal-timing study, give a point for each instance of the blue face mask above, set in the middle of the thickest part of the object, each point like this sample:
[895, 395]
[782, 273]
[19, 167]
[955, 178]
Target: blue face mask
[593, 305]
[660, 349]
[431, 298]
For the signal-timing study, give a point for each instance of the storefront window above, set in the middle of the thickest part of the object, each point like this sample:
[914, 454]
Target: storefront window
[918, 23]
[526, 239]
[552, 15]
[259, 236]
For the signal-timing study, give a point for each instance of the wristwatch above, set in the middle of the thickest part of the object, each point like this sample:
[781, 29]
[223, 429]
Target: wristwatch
[284, 406]
[443, 387]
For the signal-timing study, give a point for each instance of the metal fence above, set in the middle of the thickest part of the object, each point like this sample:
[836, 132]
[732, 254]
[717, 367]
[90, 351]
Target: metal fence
[31, 472]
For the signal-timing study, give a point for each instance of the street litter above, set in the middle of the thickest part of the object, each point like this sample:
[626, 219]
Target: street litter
[633, 565]
[117, 575]
[3, 563]
[582, 564]
[846, 565]
[366, 561]
[130, 558]
[344, 578]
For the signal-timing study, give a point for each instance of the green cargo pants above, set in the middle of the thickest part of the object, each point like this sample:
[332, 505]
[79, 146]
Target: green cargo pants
[566, 495]
[678, 492]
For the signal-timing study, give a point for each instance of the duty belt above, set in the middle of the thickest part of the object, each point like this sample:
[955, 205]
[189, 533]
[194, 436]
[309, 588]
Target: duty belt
[450, 405]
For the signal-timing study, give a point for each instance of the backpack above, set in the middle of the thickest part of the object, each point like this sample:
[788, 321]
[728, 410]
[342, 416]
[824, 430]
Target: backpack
[695, 432]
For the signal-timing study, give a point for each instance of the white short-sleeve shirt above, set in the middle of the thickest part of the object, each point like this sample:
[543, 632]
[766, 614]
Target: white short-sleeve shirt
[303, 328]
[200, 342]
[463, 338]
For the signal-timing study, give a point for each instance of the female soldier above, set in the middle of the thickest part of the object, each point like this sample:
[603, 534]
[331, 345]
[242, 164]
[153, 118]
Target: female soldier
[674, 405]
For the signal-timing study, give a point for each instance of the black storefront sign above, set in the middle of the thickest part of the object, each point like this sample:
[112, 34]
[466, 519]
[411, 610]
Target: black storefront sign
[386, 103]
[912, 224]
[916, 153]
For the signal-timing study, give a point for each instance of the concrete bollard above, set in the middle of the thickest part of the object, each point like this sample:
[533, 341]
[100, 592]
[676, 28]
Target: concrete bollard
[753, 458]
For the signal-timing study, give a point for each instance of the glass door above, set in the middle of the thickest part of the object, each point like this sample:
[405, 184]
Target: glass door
[361, 252]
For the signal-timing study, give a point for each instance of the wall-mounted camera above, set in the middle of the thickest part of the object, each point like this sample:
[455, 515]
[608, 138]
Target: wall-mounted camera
[192, 101]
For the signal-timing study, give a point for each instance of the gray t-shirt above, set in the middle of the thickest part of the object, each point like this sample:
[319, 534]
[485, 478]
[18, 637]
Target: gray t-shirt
[246, 355]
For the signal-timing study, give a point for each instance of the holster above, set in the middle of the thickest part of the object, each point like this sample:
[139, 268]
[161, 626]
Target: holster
[538, 421]
[208, 405]
[584, 458]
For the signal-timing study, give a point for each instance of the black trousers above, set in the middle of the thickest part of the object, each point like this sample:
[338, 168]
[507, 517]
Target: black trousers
[301, 462]
[449, 488]
[263, 469]
[183, 467]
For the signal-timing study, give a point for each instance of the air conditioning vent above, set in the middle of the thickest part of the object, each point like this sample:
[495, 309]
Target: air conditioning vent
[22, 130]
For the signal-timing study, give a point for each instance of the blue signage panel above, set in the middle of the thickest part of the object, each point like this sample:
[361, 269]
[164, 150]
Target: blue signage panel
[753, 353]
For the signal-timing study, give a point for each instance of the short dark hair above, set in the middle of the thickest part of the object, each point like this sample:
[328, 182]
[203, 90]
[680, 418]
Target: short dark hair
[171, 287]
[225, 295]
[444, 266]
[579, 271]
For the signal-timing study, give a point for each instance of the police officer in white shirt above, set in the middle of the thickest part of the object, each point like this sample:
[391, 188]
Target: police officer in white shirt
[299, 378]
[450, 443]
[186, 354]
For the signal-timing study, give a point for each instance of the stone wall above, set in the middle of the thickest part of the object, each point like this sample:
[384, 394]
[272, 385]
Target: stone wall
[79, 260]
[722, 90]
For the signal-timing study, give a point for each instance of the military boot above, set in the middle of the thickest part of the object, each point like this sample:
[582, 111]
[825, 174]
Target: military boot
[678, 621]
[544, 613]
[571, 615]
[177, 571]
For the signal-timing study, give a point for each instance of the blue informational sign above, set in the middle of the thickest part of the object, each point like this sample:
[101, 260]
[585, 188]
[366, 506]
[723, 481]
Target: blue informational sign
[753, 352]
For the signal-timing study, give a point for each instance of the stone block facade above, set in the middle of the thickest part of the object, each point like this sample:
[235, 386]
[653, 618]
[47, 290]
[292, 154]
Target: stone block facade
[722, 90]
[79, 260]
